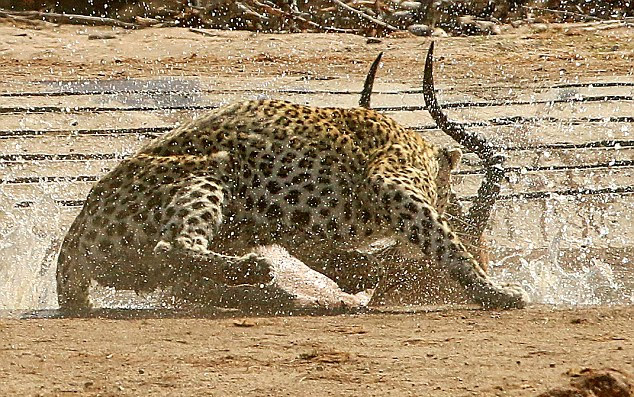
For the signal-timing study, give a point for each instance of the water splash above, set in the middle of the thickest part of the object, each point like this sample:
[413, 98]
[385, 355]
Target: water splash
[30, 239]
[549, 281]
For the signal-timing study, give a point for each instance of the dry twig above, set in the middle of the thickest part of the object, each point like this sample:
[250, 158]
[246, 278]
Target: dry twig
[607, 26]
[251, 13]
[562, 12]
[24, 20]
[204, 32]
[363, 15]
[71, 19]
[270, 8]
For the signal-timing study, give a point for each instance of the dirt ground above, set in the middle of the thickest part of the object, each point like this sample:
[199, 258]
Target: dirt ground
[560, 53]
[440, 352]
[437, 353]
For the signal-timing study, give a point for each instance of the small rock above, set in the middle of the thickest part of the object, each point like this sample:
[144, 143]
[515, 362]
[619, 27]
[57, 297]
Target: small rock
[605, 382]
[539, 27]
[465, 20]
[517, 24]
[596, 383]
[244, 323]
[573, 32]
[373, 40]
[410, 5]
[467, 25]
[402, 18]
[419, 30]
[487, 27]
[439, 32]
[484, 25]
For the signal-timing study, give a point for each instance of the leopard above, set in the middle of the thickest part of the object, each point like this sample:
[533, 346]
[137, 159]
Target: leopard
[187, 210]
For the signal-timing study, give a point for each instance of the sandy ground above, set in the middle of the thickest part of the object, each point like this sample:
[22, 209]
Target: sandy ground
[561, 53]
[441, 352]
[436, 353]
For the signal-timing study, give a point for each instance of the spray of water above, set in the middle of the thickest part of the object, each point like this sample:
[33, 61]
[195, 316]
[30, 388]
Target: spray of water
[550, 282]
[30, 239]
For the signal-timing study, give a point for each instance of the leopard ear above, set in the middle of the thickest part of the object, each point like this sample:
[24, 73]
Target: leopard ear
[453, 157]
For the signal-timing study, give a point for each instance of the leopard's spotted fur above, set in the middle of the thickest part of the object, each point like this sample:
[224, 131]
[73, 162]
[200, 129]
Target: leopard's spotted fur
[196, 200]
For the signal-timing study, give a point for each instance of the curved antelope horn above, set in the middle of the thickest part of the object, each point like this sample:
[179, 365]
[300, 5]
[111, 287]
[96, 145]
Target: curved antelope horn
[469, 140]
[364, 101]
[493, 160]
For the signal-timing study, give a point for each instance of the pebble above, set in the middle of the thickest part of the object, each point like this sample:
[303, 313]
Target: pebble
[419, 30]
[439, 32]
[465, 20]
[469, 25]
[402, 18]
[410, 5]
[488, 27]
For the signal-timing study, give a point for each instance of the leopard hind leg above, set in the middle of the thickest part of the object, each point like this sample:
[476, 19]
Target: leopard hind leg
[73, 284]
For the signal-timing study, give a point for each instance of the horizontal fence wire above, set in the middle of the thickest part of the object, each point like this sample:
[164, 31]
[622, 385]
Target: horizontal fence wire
[13, 159]
[70, 89]
[409, 108]
[613, 164]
